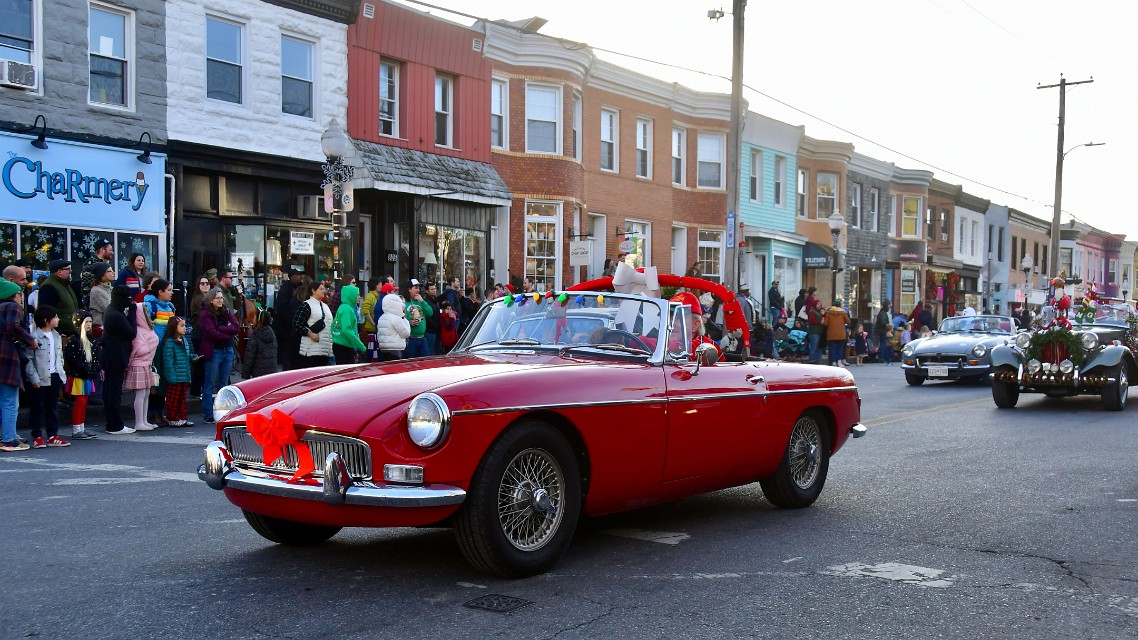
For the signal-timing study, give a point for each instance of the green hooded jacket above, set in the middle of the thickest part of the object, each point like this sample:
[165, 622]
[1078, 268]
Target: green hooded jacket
[345, 331]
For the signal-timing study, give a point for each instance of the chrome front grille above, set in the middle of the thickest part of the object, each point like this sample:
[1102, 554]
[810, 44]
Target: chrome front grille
[957, 360]
[247, 453]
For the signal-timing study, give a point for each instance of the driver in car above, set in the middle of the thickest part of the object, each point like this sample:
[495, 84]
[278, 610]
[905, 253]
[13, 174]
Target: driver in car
[699, 333]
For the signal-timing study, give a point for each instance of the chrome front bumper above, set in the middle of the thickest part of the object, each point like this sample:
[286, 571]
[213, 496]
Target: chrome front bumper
[336, 487]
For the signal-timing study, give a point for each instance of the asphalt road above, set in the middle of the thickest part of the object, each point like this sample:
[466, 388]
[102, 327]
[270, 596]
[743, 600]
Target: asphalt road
[950, 519]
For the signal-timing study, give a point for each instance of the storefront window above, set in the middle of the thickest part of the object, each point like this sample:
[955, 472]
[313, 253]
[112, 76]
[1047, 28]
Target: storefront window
[909, 291]
[83, 243]
[788, 272]
[447, 251]
[7, 243]
[145, 244]
[541, 265]
[245, 252]
[284, 249]
[41, 245]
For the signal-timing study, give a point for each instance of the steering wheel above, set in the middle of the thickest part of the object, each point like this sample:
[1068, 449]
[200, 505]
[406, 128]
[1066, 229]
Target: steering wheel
[628, 339]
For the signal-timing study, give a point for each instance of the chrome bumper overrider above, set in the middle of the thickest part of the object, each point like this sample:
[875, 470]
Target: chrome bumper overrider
[858, 430]
[336, 487]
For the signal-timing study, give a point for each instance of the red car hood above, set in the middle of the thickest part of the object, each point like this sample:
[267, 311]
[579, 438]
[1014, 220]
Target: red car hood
[346, 400]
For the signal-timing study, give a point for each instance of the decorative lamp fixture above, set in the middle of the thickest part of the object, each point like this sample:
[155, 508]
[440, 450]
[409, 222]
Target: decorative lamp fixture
[144, 157]
[1026, 265]
[41, 140]
[334, 142]
[835, 221]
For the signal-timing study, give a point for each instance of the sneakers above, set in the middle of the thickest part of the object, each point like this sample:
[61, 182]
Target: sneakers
[56, 441]
[38, 443]
[14, 445]
[210, 420]
[83, 435]
[181, 423]
[125, 431]
[145, 426]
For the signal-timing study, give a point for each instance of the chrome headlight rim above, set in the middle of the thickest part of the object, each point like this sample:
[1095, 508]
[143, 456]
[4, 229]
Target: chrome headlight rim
[979, 351]
[907, 351]
[428, 434]
[1033, 365]
[227, 400]
[1089, 340]
[1022, 340]
[1066, 366]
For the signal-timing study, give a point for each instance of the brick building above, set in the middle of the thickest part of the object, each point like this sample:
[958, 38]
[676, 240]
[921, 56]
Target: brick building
[822, 169]
[908, 248]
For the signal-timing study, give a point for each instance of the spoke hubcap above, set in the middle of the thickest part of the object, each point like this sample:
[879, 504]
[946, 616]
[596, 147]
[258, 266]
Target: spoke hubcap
[805, 452]
[531, 499]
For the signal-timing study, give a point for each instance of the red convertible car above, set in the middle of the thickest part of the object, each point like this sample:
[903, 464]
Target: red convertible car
[527, 425]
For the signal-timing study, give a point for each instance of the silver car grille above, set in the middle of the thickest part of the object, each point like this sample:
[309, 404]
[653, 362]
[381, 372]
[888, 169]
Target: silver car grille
[943, 358]
[247, 453]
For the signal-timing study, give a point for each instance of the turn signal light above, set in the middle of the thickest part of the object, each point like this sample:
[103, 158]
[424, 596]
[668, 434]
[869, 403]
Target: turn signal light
[403, 473]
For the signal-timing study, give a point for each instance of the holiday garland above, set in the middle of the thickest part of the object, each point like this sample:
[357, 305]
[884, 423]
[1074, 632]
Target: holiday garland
[1040, 340]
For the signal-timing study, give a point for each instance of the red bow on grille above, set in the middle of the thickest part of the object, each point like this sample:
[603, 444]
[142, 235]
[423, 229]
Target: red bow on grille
[274, 433]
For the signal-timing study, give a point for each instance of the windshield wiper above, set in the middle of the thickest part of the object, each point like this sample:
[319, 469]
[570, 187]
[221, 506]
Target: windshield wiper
[604, 347]
[516, 341]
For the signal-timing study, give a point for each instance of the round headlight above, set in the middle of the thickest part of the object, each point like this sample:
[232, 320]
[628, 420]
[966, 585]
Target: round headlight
[1089, 340]
[428, 420]
[227, 400]
[979, 350]
[1066, 366]
[907, 351]
[1022, 340]
[1033, 365]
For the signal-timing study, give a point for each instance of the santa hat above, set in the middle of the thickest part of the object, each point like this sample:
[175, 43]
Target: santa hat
[688, 298]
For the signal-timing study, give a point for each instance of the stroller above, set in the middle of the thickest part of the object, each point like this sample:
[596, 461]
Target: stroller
[793, 347]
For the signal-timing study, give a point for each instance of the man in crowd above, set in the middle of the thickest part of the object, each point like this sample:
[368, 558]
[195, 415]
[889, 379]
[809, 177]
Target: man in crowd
[57, 292]
[433, 325]
[451, 293]
[775, 302]
[284, 309]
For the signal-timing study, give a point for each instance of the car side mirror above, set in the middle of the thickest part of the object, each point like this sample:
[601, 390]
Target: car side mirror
[705, 353]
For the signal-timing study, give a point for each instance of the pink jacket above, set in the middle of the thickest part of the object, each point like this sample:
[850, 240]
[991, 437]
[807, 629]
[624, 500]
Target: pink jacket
[145, 341]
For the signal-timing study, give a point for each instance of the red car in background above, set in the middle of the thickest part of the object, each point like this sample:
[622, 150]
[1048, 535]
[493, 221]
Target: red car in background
[525, 427]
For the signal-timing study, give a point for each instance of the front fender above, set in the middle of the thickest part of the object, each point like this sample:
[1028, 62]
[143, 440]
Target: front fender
[1110, 356]
[1006, 356]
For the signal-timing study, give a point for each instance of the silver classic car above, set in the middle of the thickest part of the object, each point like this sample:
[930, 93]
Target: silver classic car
[960, 348]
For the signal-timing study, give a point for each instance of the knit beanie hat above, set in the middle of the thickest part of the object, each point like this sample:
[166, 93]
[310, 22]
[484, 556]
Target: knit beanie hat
[8, 289]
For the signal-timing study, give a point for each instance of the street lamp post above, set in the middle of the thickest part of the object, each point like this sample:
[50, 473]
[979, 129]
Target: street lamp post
[835, 221]
[338, 195]
[1026, 265]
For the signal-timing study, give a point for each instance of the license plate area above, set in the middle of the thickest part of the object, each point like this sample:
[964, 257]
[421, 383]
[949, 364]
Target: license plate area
[938, 371]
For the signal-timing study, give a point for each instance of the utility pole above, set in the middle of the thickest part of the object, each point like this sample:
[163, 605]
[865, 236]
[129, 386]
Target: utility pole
[1052, 266]
[731, 274]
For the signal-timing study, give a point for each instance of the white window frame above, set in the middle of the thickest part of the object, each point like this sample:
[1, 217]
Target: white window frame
[640, 232]
[755, 184]
[444, 106]
[241, 64]
[819, 212]
[610, 135]
[35, 52]
[679, 248]
[577, 125]
[555, 90]
[643, 167]
[312, 91]
[679, 155]
[788, 271]
[500, 108]
[916, 217]
[780, 181]
[803, 208]
[129, 55]
[855, 205]
[709, 251]
[394, 74]
[721, 140]
[555, 220]
[909, 299]
[874, 209]
[975, 234]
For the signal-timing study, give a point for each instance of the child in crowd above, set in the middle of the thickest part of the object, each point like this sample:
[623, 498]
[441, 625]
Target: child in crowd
[177, 356]
[81, 364]
[448, 326]
[887, 347]
[861, 344]
[139, 375]
[906, 333]
[45, 379]
[261, 352]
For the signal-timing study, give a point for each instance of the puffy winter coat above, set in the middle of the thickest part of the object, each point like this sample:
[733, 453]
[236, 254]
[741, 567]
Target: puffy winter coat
[176, 358]
[837, 323]
[345, 329]
[75, 361]
[392, 328]
[260, 354]
[216, 331]
[311, 312]
[145, 343]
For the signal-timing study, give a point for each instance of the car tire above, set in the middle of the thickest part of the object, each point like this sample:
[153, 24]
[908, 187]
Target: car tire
[1114, 396]
[287, 531]
[523, 503]
[805, 463]
[913, 380]
[1005, 393]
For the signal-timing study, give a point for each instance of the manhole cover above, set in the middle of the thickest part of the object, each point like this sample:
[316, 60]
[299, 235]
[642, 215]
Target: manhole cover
[497, 603]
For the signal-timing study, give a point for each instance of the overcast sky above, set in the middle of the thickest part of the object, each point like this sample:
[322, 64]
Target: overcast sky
[949, 83]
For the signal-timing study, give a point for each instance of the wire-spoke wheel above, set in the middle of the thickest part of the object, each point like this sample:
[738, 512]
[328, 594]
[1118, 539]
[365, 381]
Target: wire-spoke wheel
[531, 499]
[805, 463]
[523, 503]
[1115, 394]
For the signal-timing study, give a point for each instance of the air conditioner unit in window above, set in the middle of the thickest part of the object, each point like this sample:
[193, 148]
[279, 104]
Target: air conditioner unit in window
[17, 74]
[311, 208]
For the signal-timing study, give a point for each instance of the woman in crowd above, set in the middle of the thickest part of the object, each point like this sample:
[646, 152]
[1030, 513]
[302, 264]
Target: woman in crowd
[45, 379]
[102, 277]
[160, 309]
[139, 375]
[218, 329]
[133, 273]
[13, 337]
[197, 367]
[313, 323]
[81, 364]
[346, 343]
[119, 331]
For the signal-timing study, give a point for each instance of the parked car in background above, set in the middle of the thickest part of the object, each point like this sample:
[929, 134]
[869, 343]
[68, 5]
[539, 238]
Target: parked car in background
[1095, 356]
[961, 348]
[523, 428]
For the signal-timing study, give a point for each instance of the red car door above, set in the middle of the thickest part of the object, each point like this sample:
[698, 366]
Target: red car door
[714, 417]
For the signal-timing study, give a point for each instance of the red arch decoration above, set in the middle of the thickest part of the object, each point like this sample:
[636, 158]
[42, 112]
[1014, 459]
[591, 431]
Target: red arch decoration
[732, 312]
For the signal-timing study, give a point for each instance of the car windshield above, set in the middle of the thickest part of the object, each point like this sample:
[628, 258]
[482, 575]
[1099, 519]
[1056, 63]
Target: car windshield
[566, 320]
[983, 324]
[1113, 313]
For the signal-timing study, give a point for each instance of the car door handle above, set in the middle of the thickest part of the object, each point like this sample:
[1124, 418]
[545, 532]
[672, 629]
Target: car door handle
[754, 378]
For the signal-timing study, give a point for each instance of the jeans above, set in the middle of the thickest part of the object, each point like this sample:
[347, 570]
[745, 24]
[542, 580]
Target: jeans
[432, 343]
[837, 351]
[217, 369]
[776, 313]
[886, 353]
[813, 342]
[416, 348]
[9, 405]
[112, 395]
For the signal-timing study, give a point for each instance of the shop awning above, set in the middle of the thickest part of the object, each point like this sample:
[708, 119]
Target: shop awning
[817, 256]
[942, 264]
[390, 168]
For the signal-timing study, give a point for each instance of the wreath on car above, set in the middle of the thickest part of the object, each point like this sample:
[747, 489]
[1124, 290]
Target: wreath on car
[1056, 338]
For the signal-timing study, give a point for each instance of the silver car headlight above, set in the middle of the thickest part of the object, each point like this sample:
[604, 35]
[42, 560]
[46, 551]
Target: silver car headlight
[1066, 366]
[1089, 340]
[428, 420]
[907, 351]
[1022, 340]
[1034, 365]
[228, 399]
[979, 350]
